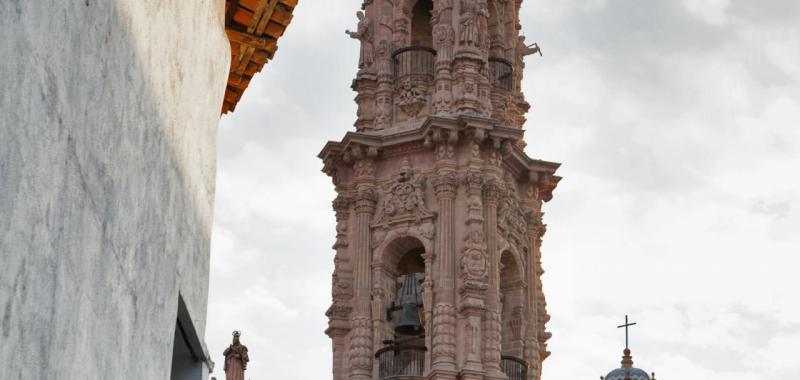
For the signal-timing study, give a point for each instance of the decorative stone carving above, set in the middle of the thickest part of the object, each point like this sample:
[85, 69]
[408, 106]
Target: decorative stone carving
[383, 116]
[445, 185]
[492, 341]
[364, 168]
[361, 345]
[363, 34]
[412, 98]
[339, 311]
[443, 40]
[404, 198]
[473, 21]
[474, 260]
[444, 332]
[444, 141]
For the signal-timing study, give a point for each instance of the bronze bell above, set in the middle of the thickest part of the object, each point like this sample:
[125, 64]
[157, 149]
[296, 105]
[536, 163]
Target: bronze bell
[409, 299]
[408, 324]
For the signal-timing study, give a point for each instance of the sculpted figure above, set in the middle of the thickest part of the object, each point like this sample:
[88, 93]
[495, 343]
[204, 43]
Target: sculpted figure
[523, 49]
[362, 34]
[235, 359]
[473, 24]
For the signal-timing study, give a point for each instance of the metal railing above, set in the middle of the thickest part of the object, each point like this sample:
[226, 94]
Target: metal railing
[400, 360]
[414, 60]
[501, 73]
[514, 367]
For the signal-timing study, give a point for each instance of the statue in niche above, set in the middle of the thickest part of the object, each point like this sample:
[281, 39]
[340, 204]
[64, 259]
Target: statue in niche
[367, 56]
[235, 359]
[473, 24]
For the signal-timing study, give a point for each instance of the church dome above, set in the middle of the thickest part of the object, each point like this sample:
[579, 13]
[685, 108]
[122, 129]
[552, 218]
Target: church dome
[628, 372]
[631, 373]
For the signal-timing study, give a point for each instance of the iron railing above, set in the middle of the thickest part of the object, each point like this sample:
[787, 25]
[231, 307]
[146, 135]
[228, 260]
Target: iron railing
[415, 61]
[514, 367]
[501, 73]
[400, 360]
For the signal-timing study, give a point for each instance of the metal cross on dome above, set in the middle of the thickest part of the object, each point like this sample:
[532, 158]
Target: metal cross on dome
[626, 325]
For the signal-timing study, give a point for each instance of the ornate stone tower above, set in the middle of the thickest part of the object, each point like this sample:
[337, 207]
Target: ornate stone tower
[439, 211]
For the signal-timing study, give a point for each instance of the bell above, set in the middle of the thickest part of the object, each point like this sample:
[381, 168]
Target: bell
[408, 324]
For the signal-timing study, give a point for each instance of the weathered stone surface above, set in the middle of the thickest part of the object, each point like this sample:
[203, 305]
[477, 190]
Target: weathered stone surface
[107, 162]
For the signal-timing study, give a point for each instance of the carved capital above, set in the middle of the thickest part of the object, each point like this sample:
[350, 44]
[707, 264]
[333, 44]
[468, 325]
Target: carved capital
[492, 191]
[445, 185]
[365, 201]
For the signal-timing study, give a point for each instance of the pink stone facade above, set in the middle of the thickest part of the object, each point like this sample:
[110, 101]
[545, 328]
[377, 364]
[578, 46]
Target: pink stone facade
[434, 183]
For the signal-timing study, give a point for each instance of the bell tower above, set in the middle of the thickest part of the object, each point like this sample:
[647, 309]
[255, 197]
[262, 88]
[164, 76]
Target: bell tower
[438, 209]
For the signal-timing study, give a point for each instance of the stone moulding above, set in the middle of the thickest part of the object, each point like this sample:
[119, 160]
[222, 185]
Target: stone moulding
[533, 170]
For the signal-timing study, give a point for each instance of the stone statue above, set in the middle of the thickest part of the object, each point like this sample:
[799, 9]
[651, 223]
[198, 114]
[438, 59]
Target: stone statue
[473, 24]
[235, 359]
[523, 49]
[362, 34]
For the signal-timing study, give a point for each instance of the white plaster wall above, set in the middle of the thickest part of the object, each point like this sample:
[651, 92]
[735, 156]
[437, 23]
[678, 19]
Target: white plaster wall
[108, 123]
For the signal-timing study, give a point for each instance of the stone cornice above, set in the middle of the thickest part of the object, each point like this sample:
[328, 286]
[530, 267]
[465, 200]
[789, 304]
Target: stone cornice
[531, 170]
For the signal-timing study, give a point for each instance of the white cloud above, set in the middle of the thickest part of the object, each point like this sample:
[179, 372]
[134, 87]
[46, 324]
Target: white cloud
[710, 11]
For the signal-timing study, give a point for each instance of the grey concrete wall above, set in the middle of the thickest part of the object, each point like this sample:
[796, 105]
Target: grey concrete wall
[108, 123]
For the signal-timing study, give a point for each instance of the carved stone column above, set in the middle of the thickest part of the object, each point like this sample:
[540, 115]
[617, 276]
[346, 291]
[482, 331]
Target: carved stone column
[384, 92]
[474, 264]
[365, 87]
[361, 338]
[443, 42]
[428, 302]
[492, 191]
[530, 352]
[339, 312]
[444, 313]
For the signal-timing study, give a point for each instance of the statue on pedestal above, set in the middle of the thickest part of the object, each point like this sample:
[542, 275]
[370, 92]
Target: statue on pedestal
[235, 359]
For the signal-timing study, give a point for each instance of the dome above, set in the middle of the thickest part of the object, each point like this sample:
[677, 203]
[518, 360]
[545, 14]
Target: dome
[634, 374]
[628, 372]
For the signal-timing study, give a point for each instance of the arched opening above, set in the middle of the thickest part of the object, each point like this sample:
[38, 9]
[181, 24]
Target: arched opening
[512, 305]
[421, 28]
[402, 272]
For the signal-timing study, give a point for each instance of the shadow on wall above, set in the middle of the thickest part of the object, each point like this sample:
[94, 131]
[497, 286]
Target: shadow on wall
[107, 165]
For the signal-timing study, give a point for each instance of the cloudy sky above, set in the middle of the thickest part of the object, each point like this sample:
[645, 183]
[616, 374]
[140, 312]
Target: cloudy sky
[677, 126]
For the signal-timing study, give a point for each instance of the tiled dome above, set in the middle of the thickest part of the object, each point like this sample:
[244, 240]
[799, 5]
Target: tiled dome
[628, 372]
[634, 374]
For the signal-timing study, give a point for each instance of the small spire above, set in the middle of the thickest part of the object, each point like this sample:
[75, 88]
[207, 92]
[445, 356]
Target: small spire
[627, 359]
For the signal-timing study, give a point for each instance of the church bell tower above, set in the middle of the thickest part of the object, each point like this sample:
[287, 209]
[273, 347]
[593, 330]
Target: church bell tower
[438, 209]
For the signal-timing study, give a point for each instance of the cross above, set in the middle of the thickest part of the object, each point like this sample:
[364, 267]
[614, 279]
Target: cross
[626, 325]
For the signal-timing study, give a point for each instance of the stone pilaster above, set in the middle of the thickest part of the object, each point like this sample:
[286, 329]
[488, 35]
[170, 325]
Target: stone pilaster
[339, 312]
[361, 337]
[443, 41]
[492, 191]
[444, 313]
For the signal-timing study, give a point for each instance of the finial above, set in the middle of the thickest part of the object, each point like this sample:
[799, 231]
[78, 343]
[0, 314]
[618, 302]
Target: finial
[627, 359]
[652, 376]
